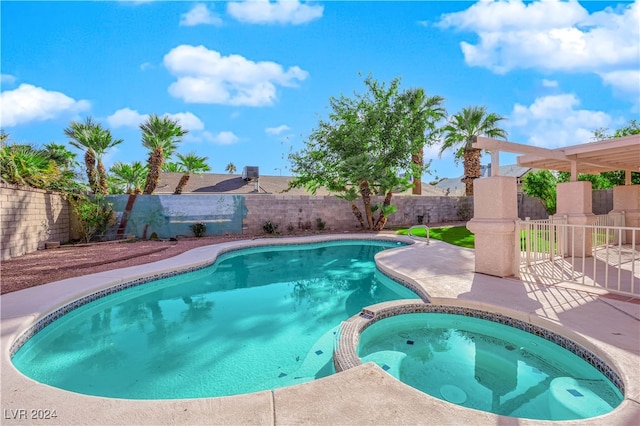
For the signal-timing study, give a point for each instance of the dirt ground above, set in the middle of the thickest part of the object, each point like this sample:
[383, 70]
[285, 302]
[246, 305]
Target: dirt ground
[45, 266]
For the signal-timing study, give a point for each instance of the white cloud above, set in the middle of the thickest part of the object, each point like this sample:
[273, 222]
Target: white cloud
[30, 103]
[550, 35]
[199, 15]
[222, 138]
[127, 117]
[549, 83]
[277, 130]
[146, 66]
[7, 79]
[278, 12]
[556, 121]
[205, 76]
[627, 81]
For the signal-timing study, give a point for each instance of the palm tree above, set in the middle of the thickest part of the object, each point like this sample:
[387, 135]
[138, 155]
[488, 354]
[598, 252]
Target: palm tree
[424, 112]
[130, 176]
[94, 140]
[231, 168]
[459, 133]
[172, 167]
[160, 136]
[191, 164]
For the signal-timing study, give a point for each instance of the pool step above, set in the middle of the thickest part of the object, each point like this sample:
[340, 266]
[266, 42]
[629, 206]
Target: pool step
[390, 361]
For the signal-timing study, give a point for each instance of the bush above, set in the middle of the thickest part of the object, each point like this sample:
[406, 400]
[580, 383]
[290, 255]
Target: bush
[320, 224]
[94, 215]
[270, 227]
[199, 229]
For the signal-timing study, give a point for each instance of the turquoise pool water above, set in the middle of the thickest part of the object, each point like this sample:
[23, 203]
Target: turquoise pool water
[488, 366]
[257, 319]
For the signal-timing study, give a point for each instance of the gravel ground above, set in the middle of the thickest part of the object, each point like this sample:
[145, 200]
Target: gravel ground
[45, 266]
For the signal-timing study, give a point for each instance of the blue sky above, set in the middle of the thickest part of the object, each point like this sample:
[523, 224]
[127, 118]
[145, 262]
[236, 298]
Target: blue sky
[250, 80]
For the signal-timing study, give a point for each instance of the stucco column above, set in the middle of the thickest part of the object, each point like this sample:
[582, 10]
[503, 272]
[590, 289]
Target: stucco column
[495, 207]
[574, 200]
[627, 199]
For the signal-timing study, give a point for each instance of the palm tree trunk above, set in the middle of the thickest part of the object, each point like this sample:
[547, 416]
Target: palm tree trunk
[471, 168]
[366, 199]
[103, 186]
[418, 160]
[183, 182]
[155, 165]
[90, 164]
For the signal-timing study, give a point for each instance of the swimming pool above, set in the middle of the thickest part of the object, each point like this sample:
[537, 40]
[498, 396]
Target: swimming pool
[489, 366]
[259, 318]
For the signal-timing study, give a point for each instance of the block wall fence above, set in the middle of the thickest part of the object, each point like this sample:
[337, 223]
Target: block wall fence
[30, 217]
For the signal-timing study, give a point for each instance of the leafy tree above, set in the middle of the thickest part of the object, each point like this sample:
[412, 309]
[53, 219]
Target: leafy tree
[364, 148]
[459, 132]
[191, 163]
[231, 168]
[95, 141]
[172, 167]
[425, 112]
[541, 184]
[160, 135]
[614, 178]
[129, 177]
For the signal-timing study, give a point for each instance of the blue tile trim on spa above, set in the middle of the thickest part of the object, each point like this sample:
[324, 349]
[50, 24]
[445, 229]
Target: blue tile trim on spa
[551, 336]
[65, 309]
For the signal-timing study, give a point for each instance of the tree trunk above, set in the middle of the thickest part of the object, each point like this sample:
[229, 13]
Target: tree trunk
[183, 182]
[90, 164]
[418, 160]
[382, 219]
[155, 165]
[471, 168]
[103, 186]
[366, 199]
[357, 214]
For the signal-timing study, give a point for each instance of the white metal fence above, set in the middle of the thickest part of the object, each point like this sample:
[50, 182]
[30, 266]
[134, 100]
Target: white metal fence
[604, 255]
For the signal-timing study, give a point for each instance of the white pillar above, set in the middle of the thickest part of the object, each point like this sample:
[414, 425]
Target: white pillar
[574, 200]
[495, 206]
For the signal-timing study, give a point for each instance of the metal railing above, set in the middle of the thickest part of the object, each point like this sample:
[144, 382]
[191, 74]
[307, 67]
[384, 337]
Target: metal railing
[604, 254]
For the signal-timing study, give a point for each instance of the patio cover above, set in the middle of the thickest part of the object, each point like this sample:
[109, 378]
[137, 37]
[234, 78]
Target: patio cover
[591, 158]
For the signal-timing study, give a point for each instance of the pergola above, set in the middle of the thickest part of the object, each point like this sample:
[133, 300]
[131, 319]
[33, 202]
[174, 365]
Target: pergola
[495, 205]
[590, 158]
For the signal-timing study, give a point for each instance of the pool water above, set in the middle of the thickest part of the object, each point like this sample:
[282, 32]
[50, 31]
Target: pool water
[488, 366]
[257, 319]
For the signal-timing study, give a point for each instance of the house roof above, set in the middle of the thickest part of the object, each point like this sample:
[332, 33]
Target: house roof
[234, 184]
[456, 187]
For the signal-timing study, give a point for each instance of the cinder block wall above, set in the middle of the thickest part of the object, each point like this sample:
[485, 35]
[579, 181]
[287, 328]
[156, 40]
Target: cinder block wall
[28, 218]
[302, 211]
[602, 201]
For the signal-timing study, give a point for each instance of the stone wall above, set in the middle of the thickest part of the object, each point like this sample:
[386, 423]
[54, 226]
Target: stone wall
[602, 201]
[29, 218]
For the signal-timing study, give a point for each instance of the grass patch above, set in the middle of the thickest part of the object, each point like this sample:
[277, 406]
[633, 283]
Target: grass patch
[456, 235]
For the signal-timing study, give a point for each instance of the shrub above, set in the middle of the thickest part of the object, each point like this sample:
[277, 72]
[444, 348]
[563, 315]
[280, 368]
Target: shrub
[270, 227]
[199, 229]
[320, 224]
[94, 215]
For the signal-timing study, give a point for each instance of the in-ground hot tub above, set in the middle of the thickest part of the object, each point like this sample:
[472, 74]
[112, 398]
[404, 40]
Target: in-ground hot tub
[484, 361]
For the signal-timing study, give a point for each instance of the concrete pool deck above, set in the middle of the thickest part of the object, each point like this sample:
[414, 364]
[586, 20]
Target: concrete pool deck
[361, 395]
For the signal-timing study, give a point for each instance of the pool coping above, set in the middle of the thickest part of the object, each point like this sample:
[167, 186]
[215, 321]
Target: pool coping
[357, 396]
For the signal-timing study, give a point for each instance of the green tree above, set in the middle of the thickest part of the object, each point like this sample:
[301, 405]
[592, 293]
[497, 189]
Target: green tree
[363, 149]
[425, 113]
[231, 168]
[191, 164]
[459, 133]
[541, 184]
[614, 178]
[172, 167]
[129, 177]
[160, 135]
[95, 141]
